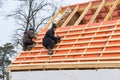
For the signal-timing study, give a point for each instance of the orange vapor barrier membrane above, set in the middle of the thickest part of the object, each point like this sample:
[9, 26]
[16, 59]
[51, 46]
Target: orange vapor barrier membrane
[83, 43]
[87, 45]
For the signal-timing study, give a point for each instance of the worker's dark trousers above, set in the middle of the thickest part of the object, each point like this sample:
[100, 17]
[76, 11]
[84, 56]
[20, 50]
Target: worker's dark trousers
[28, 43]
[50, 47]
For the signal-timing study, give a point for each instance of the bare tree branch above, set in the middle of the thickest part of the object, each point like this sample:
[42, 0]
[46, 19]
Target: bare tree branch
[31, 13]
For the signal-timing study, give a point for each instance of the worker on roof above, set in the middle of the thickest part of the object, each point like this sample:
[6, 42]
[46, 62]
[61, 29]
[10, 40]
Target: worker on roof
[28, 42]
[50, 39]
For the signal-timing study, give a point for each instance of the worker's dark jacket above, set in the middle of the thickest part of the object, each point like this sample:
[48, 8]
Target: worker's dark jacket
[49, 39]
[28, 36]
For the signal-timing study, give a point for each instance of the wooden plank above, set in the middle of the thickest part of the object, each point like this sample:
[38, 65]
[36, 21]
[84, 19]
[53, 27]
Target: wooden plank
[104, 35]
[65, 54]
[94, 41]
[83, 13]
[74, 48]
[71, 15]
[91, 36]
[105, 52]
[69, 59]
[87, 28]
[74, 65]
[111, 10]
[83, 32]
[97, 12]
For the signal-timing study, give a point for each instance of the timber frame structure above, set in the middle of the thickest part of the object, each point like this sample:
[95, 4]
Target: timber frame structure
[90, 35]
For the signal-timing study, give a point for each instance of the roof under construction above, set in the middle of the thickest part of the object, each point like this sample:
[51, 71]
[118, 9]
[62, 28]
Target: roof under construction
[90, 35]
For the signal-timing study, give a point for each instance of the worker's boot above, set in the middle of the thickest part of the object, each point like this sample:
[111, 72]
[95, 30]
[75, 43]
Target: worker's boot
[24, 48]
[30, 47]
[50, 51]
[33, 45]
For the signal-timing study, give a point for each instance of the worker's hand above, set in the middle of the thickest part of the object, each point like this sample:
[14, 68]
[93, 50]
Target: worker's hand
[58, 38]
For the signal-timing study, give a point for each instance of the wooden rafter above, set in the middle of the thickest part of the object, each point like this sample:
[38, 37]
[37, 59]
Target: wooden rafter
[71, 15]
[83, 14]
[52, 19]
[110, 18]
[111, 10]
[96, 6]
[63, 16]
[97, 12]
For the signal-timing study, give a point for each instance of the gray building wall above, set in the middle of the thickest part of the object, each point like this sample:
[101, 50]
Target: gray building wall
[101, 74]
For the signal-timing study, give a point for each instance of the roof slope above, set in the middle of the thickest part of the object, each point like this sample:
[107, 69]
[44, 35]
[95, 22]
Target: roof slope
[90, 39]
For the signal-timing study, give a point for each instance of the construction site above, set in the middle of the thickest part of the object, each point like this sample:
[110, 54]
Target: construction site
[90, 37]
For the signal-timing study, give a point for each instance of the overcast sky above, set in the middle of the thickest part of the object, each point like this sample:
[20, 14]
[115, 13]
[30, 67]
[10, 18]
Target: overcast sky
[8, 25]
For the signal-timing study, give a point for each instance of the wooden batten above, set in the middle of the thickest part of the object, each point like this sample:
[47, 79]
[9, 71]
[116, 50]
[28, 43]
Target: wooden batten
[90, 39]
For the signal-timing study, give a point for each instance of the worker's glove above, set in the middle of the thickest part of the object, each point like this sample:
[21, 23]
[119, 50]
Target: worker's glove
[58, 38]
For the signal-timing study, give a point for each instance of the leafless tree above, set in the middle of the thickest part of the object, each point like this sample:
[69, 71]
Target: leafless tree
[1, 2]
[31, 13]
